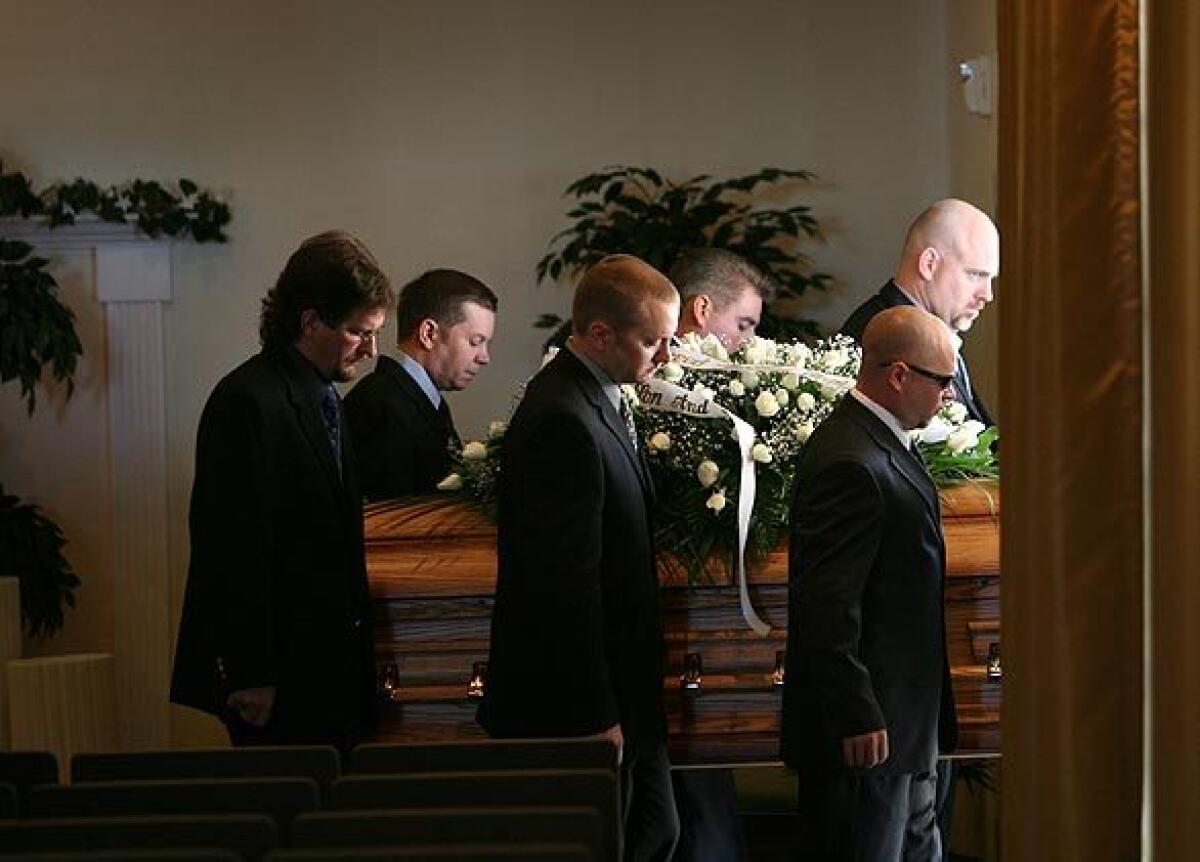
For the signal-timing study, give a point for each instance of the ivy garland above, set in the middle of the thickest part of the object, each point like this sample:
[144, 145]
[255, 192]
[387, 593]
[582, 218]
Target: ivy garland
[37, 330]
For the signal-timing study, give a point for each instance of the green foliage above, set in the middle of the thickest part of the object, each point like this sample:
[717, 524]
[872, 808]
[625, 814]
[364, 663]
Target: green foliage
[155, 209]
[636, 211]
[35, 328]
[31, 551]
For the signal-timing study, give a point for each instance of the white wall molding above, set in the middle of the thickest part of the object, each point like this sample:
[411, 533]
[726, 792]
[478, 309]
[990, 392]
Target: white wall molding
[132, 277]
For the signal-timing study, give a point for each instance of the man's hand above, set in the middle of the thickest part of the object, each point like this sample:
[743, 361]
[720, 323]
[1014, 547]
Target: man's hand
[253, 705]
[866, 750]
[614, 735]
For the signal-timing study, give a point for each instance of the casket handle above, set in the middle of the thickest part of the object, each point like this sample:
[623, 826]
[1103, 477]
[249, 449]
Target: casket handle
[693, 672]
[388, 684]
[778, 673]
[995, 671]
[475, 683]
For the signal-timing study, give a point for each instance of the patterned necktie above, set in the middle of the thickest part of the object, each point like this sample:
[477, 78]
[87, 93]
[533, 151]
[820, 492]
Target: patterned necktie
[331, 413]
[627, 418]
[962, 383]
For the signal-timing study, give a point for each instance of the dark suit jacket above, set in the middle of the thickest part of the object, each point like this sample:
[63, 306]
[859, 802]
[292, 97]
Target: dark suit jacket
[866, 631]
[277, 585]
[401, 440]
[889, 296]
[576, 633]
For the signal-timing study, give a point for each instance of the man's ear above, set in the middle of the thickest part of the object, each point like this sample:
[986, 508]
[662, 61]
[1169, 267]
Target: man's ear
[309, 320]
[427, 333]
[927, 262]
[701, 306]
[599, 333]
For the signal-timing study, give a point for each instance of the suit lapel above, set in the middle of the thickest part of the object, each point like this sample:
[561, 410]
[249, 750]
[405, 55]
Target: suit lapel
[312, 426]
[904, 461]
[608, 417]
[434, 422]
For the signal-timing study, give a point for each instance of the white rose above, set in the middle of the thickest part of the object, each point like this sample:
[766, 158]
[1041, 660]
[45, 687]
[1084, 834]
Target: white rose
[496, 429]
[453, 482]
[660, 441]
[936, 431]
[803, 431]
[736, 388]
[805, 401]
[973, 426]
[836, 358]
[712, 346]
[955, 412]
[961, 439]
[750, 379]
[761, 453]
[755, 351]
[782, 396]
[703, 391]
[716, 502]
[708, 473]
[672, 372]
[474, 451]
[766, 404]
[791, 380]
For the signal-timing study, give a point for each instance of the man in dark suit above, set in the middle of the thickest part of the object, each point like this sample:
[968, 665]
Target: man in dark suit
[276, 631]
[399, 420]
[951, 254]
[722, 295]
[868, 698]
[576, 646]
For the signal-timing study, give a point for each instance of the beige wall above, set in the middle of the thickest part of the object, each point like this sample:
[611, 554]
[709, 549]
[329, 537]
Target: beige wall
[443, 134]
[970, 33]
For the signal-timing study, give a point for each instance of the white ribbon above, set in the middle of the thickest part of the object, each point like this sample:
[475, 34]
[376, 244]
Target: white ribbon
[656, 394]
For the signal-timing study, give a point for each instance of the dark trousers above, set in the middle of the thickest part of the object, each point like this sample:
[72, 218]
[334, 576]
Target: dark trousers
[650, 824]
[869, 818]
[709, 823]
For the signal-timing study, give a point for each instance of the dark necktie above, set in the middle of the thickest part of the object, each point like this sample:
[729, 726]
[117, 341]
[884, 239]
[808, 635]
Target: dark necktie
[331, 413]
[627, 418]
[962, 381]
[448, 421]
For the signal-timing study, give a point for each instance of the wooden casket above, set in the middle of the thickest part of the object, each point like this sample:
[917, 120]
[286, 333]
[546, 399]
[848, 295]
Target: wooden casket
[432, 568]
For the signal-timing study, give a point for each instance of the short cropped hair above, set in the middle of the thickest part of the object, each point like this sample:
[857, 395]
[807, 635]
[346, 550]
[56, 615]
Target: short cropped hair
[439, 295]
[615, 290]
[332, 273]
[719, 274]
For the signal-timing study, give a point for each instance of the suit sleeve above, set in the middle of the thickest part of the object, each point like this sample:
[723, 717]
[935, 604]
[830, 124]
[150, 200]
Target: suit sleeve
[233, 524]
[836, 535]
[560, 495]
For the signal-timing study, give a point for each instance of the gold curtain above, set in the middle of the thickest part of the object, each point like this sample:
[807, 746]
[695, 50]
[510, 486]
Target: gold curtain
[1071, 382]
[1173, 127]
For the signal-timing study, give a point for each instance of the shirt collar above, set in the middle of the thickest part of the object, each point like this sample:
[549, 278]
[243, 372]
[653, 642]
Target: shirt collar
[421, 377]
[611, 390]
[885, 416]
[311, 378]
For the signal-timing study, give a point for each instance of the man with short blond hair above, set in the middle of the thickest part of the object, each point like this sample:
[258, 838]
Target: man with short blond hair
[576, 640]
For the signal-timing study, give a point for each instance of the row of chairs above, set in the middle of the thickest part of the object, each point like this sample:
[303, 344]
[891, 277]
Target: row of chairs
[485, 799]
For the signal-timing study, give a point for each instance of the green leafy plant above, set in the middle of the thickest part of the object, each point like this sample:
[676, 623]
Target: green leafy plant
[637, 211]
[31, 551]
[36, 329]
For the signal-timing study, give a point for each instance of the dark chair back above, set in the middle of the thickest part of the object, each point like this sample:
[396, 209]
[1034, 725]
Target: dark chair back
[8, 800]
[451, 826]
[321, 763]
[441, 853]
[24, 769]
[280, 798]
[484, 755]
[540, 788]
[248, 835]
